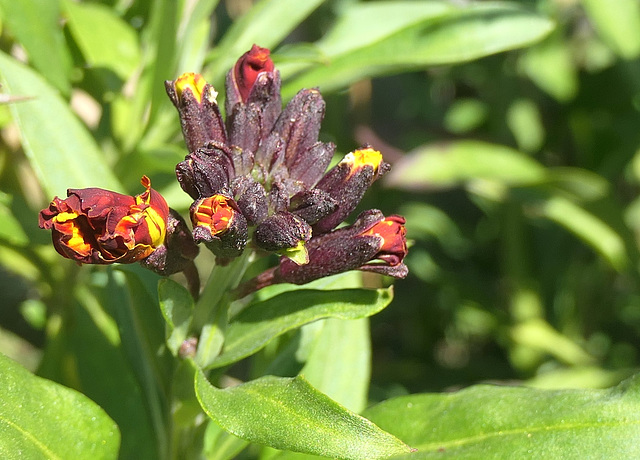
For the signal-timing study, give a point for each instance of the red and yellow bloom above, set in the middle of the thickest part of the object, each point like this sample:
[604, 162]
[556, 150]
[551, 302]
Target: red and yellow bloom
[98, 226]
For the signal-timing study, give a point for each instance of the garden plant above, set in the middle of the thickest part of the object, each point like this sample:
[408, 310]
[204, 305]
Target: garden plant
[319, 229]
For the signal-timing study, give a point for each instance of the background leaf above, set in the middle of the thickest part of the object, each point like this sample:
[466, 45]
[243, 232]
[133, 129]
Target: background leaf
[60, 149]
[515, 422]
[290, 414]
[42, 419]
[461, 34]
[35, 24]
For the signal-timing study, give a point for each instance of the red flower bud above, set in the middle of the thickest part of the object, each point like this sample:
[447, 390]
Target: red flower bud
[97, 226]
[218, 222]
[372, 243]
[248, 67]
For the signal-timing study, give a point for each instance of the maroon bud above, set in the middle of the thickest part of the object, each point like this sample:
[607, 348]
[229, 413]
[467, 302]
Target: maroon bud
[347, 182]
[200, 116]
[312, 205]
[251, 198]
[372, 243]
[206, 171]
[310, 165]
[299, 123]
[284, 233]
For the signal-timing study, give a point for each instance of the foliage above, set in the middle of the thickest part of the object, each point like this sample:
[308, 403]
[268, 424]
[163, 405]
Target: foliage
[511, 128]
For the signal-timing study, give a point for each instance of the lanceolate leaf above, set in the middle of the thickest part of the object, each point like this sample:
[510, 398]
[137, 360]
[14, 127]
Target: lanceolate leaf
[444, 36]
[254, 327]
[60, 149]
[513, 422]
[289, 414]
[41, 419]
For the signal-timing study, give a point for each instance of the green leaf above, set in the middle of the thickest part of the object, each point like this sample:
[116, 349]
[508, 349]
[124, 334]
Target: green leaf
[267, 23]
[35, 24]
[176, 305]
[444, 36]
[487, 421]
[591, 229]
[60, 149]
[255, 326]
[42, 419]
[289, 414]
[340, 362]
[105, 39]
[447, 165]
[618, 24]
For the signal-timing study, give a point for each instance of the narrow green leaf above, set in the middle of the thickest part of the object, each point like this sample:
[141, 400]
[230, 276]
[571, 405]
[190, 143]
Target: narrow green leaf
[618, 24]
[267, 23]
[514, 422]
[176, 305]
[289, 414]
[446, 37]
[104, 38]
[35, 24]
[254, 327]
[451, 164]
[60, 149]
[42, 419]
[340, 362]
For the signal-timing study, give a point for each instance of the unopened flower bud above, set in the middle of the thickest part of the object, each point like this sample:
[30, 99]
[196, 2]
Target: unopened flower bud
[347, 182]
[285, 234]
[206, 171]
[197, 105]
[372, 243]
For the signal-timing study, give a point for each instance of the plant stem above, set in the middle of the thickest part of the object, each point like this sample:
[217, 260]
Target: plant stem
[210, 312]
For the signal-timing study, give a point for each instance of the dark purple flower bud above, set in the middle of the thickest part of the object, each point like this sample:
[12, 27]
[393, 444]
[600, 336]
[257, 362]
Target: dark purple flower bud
[179, 248]
[309, 166]
[346, 183]
[251, 198]
[285, 234]
[372, 243]
[278, 198]
[200, 116]
[206, 172]
[270, 155]
[299, 123]
[312, 205]
[218, 222]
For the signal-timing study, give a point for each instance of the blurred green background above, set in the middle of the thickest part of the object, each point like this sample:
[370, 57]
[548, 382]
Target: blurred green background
[518, 172]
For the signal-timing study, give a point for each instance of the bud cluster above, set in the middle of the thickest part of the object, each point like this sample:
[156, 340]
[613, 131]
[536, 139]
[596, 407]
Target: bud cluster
[260, 178]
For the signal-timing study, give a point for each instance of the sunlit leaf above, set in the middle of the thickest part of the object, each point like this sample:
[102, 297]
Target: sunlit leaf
[451, 164]
[42, 419]
[105, 39]
[514, 422]
[35, 23]
[619, 24]
[290, 414]
[444, 36]
[60, 149]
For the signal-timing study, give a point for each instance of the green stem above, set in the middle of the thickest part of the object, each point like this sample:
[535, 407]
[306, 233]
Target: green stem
[210, 312]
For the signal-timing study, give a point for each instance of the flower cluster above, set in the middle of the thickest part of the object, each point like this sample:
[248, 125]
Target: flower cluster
[258, 179]
[261, 178]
